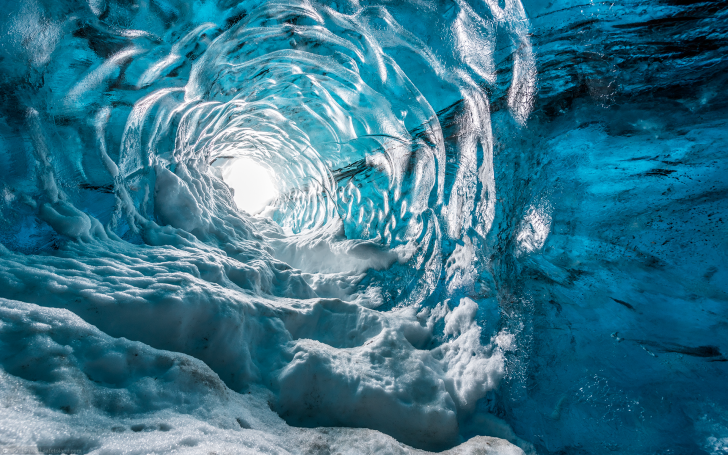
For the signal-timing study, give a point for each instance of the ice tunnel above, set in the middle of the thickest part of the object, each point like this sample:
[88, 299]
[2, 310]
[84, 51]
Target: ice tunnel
[364, 227]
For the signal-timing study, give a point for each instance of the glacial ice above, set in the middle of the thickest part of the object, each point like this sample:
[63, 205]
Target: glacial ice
[288, 226]
[66, 384]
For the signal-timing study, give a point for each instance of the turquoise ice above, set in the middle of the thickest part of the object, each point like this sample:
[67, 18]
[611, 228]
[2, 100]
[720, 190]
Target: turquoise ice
[348, 227]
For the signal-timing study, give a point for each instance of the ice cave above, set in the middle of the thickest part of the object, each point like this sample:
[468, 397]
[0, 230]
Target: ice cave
[364, 227]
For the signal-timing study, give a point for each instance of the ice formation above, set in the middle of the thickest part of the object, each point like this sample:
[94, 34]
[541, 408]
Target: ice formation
[290, 226]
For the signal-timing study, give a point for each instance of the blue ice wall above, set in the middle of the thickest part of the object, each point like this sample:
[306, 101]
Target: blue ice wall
[500, 226]
[619, 189]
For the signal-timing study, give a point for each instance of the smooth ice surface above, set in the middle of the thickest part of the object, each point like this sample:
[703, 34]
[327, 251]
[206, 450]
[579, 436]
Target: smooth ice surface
[293, 226]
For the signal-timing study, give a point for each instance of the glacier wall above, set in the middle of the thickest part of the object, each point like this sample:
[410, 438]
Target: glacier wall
[498, 226]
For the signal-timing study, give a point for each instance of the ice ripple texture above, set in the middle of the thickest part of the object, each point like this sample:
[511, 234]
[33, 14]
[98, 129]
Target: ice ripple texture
[499, 227]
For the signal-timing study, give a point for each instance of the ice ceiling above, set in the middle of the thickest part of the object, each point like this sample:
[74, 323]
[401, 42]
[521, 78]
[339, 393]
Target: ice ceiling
[358, 227]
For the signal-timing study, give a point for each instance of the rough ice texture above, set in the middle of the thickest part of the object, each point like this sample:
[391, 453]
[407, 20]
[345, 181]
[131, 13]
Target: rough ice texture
[495, 220]
[67, 385]
[325, 362]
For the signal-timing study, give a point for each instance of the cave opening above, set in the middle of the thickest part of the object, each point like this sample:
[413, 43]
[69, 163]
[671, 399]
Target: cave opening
[253, 184]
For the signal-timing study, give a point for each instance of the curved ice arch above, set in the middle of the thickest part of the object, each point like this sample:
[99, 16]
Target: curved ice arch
[148, 245]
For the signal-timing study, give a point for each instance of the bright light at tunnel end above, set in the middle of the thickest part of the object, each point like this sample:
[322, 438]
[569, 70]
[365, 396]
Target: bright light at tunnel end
[252, 183]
